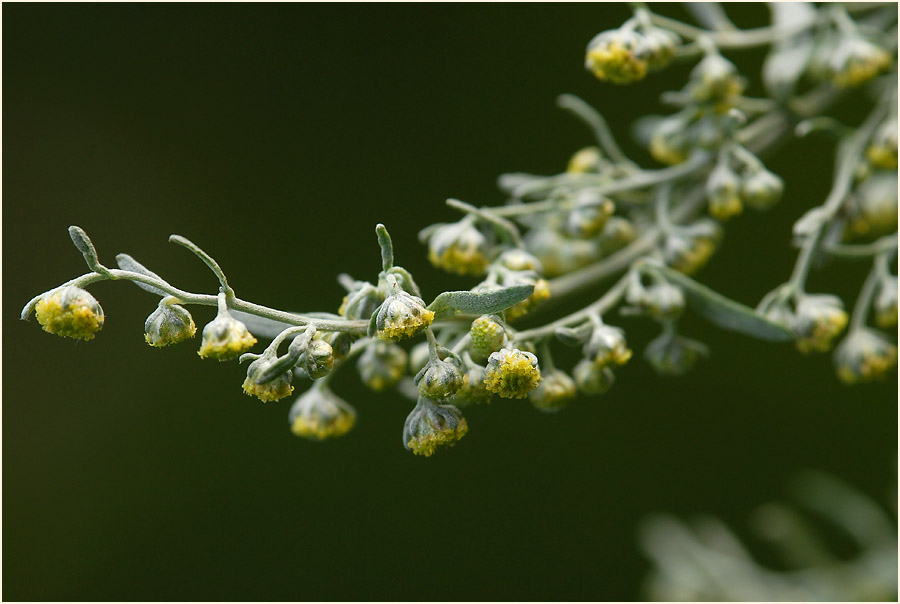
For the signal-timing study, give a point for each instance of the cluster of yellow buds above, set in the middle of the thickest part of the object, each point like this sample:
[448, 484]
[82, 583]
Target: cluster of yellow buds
[70, 312]
[431, 427]
[864, 355]
[872, 209]
[624, 55]
[727, 192]
[512, 373]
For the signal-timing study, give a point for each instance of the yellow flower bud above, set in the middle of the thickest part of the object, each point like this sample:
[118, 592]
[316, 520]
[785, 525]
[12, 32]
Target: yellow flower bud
[70, 312]
[225, 338]
[318, 414]
[431, 427]
[402, 315]
[555, 391]
[863, 356]
[512, 373]
[615, 56]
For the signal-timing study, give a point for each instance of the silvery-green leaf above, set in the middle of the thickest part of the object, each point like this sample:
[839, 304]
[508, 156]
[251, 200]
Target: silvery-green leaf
[723, 311]
[574, 336]
[786, 63]
[373, 327]
[127, 263]
[260, 326]
[84, 245]
[479, 303]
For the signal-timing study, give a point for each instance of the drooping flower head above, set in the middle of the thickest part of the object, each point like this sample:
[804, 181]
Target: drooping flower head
[431, 427]
[70, 312]
[318, 414]
[169, 324]
[863, 356]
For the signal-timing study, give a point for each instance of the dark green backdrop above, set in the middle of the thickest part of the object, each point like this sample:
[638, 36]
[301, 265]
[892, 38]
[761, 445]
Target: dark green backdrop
[276, 136]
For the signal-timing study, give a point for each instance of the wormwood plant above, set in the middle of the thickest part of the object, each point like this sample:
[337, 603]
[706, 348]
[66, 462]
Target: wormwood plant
[604, 218]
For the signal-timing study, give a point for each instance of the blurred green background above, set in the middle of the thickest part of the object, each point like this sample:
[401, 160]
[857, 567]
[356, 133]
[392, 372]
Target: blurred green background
[277, 136]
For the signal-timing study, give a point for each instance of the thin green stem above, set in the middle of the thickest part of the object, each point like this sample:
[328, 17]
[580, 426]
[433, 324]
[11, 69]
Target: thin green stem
[867, 250]
[597, 124]
[601, 306]
[741, 38]
[506, 228]
[864, 300]
[210, 262]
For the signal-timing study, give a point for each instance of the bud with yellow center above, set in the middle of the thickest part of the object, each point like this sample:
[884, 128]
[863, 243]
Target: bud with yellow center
[70, 312]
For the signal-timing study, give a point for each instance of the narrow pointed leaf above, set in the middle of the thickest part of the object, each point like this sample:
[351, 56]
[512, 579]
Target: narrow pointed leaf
[724, 312]
[479, 303]
[127, 263]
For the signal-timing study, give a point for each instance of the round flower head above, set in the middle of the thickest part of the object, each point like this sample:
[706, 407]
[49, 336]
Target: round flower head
[225, 338]
[671, 354]
[589, 215]
[723, 192]
[689, 248]
[856, 60]
[268, 380]
[606, 346]
[169, 324]
[459, 248]
[669, 143]
[863, 356]
[882, 150]
[658, 47]
[761, 189]
[431, 427]
[715, 80]
[592, 379]
[615, 56]
[617, 233]
[512, 373]
[70, 312]
[541, 293]
[318, 414]
[473, 390]
[488, 335]
[318, 359]
[519, 260]
[401, 315]
[555, 391]
[875, 210]
[885, 303]
[438, 380]
[588, 160]
[818, 320]
[381, 365]
[361, 302]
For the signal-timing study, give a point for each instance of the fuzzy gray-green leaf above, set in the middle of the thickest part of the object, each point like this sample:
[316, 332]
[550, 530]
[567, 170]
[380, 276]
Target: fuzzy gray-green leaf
[479, 303]
[723, 311]
[127, 263]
